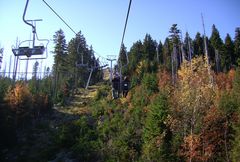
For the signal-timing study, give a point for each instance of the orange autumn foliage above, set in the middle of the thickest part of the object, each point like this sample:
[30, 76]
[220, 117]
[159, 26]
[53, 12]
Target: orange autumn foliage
[19, 98]
[164, 79]
[190, 148]
[225, 81]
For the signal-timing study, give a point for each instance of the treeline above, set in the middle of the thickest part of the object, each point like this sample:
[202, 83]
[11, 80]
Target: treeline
[223, 55]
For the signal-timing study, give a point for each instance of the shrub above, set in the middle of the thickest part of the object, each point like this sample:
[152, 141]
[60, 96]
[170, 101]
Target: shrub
[19, 99]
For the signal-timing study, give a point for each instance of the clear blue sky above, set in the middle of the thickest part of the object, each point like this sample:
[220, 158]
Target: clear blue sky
[102, 22]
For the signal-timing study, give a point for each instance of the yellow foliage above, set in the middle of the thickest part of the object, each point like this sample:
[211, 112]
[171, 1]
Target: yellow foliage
[194, 94]
[141, 67]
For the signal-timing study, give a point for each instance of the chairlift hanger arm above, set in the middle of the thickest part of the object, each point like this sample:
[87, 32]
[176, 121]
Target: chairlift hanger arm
[25, 21]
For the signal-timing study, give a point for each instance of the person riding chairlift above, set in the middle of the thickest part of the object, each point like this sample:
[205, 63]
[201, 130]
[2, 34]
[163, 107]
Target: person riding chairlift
[115, 86]
[125, 86]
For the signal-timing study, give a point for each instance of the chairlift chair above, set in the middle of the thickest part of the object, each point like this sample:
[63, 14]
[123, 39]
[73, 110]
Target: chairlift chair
[35, 50]
[26, 51]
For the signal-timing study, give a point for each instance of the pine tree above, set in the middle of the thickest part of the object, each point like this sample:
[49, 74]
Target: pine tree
[149, 48]
[33, 83]
[215, 38]
[217, 44]
[198, 45]
[160, 52]
[78, 54]
[237, 45]
[122, 60]
[59, 67]
[35, 70]
[176, 58]
[157, 136]
[167, 49]
[188, 46]
[228, 57]
[135, 56]
[174, 35]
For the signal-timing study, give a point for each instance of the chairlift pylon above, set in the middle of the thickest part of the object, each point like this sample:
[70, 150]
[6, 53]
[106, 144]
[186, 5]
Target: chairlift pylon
[36, 50]
[91, 69]
[86, 65]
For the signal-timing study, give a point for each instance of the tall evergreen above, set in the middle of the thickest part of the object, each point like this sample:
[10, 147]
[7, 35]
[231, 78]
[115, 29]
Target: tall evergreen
[77, 54]
[160, 52]
[198, 45]
[123, 60]
[176, 57]
[237, 45]
[156, 134]
[135, 55]
[149, 48]
[217, 44]
[174, 34]
[188, 46]
[167, 49]
[123, 56]
[60, 51]
[60, 63]
[35, 70]
[215, 39]
[175, 40]
[228, 57]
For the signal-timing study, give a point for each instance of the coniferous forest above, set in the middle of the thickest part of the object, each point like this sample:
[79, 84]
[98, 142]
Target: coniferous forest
[183, 103]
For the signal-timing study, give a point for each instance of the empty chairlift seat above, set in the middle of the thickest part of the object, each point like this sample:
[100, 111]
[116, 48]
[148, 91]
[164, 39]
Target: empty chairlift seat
[26, 51]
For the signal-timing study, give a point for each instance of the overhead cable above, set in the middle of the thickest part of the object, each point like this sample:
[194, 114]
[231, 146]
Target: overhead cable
[59, 17]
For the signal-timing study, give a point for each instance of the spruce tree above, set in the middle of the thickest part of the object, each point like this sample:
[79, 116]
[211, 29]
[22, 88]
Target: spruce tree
[35, 70]
[149, 48]
[188, 46]
[135, 55]
[156, 134]
[174, 34]
[123, 56]
[167, 49]
[123, 60]
[217, 44]
[237, 45]
[228, 57]
[198, 45]
[160, 52]
[60, 63]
